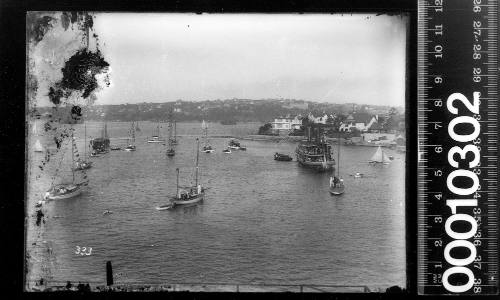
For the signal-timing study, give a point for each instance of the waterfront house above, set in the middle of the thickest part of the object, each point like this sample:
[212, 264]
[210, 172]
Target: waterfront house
[361, 121]
[284, 125]
[317, 120]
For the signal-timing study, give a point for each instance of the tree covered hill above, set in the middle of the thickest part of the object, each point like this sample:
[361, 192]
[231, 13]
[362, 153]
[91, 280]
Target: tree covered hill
[240, 110]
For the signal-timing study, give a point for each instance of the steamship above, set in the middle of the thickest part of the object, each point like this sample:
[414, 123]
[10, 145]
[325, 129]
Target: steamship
[315, 152]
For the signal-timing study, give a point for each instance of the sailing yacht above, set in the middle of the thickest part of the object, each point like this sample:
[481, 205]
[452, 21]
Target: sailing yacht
[379, 157]
[190, 195]
[207, 148]
[83, 164]
[67, 190]
[336, 182]
[38, 146]
[131, 139]
[155, 137]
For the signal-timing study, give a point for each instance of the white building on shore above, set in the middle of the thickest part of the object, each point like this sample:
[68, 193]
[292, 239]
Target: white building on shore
[286, 124]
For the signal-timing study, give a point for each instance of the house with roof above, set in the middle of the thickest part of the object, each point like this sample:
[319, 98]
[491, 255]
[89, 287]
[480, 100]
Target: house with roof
[361, 121]
[286, 123]
[317, 120]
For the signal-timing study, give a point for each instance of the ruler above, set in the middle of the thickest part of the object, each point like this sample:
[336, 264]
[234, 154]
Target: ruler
[457, 209]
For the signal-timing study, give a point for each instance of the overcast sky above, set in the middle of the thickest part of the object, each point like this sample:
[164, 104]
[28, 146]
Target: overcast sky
[326, 58]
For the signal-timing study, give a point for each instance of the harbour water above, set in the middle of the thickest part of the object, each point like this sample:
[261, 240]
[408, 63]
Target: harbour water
[262, 221]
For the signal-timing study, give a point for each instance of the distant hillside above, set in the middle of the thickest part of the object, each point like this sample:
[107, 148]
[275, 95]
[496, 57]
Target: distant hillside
[240, 110]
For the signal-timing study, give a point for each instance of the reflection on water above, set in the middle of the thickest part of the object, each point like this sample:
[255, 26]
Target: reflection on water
[262, 221]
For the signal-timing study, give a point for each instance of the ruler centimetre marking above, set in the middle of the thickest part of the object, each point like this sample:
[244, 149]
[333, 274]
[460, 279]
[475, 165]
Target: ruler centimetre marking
[457, 113]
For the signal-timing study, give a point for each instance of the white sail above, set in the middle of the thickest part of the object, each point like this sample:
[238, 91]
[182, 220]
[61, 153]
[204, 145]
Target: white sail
[380, 156]
[203, 125]
[38, 146]
[34, 129]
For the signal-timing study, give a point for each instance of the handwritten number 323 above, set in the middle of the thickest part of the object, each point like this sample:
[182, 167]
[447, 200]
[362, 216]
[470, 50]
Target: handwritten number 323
[82, 250]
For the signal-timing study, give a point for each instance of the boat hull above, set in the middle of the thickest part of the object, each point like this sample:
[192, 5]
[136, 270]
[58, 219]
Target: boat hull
[318, 166]
[282, 157]
[337, 190]
[192, 200]
[84, 166]
[156, 141]
[68, 195]
[164, 207]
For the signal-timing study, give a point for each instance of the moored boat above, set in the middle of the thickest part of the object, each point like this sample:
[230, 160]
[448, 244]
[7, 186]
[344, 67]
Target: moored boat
[207, 148]
[170, 152]
[155, 137]
[226, 150]
[337, 186]
[131, 139]
[63, 191]
[192, 194]
[315, 153]
[129, 148]
[282, 157]
[234, 144]
[67, 190]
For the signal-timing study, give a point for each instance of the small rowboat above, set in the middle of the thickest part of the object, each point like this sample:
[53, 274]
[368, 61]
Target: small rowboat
[165, 207]
[282, 157]
[170, 152]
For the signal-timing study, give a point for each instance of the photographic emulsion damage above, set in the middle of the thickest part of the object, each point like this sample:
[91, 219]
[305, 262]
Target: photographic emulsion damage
[215, 152]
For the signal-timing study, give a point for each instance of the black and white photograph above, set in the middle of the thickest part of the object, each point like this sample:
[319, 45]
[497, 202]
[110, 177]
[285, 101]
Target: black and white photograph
[236, 152]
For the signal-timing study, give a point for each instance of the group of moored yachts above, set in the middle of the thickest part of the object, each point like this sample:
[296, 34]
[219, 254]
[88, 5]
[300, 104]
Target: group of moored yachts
[314, 154]
[185, 195]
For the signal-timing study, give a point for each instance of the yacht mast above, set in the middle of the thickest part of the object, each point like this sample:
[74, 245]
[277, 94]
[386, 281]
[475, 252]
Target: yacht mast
[85, 141]
[72, 155]
[177, 186]
[197, 156]
[338, 156]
